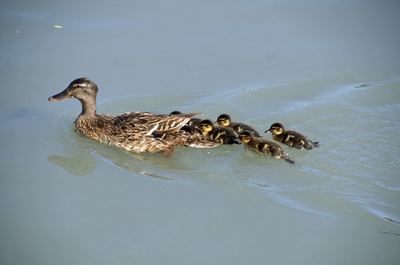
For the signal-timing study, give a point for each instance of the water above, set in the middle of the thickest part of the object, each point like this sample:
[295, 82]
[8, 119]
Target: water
[330, 70]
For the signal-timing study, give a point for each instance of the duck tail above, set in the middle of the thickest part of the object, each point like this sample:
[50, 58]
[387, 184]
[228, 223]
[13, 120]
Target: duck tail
[315, 144]
[290, 161]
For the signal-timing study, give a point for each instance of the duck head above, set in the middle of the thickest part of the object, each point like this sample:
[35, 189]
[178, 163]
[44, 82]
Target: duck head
[245, 136]
[206, 126]
[276, 129]
[224, 120]
[81, 88]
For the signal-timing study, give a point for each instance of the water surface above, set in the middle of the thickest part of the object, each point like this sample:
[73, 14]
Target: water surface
[330, 70]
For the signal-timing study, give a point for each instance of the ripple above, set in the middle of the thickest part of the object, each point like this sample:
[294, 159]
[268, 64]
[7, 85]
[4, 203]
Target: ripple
[382, 214]
[295, 204]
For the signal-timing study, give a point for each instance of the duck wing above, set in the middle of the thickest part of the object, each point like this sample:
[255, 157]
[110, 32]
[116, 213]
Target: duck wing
[296, 140]
[195, 139]
[158, 123]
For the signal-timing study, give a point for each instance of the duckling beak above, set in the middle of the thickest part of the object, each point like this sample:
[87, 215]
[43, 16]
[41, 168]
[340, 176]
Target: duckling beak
[60, 96]
[267, 130]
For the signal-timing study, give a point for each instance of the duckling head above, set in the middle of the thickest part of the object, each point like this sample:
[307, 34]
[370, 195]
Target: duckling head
[81, 88]
[206, 126]
[276, 128]
[245, 136]
[224, 120]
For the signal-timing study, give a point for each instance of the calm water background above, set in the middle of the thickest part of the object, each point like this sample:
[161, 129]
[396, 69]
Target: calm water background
[330, 69]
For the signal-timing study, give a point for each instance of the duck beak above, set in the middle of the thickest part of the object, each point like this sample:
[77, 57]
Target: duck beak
[60, 96]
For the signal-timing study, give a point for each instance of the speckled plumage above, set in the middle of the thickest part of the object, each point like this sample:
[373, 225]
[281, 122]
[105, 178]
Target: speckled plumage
[132, 131]
[290, 138]
[193, 124]
[263, 146]
[218, 134]
[224, 120]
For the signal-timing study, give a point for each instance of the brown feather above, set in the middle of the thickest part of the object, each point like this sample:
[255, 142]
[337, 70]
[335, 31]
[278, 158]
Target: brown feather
[132, 131]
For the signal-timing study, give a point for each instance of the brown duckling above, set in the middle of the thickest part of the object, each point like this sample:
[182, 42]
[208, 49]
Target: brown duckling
[263, 146]
[218, 134]
[290, 138]
[224, 120]
[132, 131]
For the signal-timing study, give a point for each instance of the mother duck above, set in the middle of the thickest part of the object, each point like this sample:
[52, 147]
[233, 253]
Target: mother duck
[133, 131]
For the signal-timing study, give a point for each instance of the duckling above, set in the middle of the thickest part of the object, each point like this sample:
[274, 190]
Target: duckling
[132, 131]
[262, 146]
[218, 134]
[224, 120]
[290, 138]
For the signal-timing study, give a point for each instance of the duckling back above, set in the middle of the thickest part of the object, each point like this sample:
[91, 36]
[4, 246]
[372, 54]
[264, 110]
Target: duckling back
[263, 146]
[269, 148]
[239, 127]
[224, 135]
[224, 120]
[296, 140]
[290, 138]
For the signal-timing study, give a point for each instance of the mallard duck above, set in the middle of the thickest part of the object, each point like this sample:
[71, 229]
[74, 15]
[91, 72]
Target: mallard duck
[132, 131]
[218, 134]
[224, 120]
[262, 146]
[290, 138]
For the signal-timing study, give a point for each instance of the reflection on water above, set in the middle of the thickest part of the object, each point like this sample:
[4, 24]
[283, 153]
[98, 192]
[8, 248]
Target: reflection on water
[81, 165]
[82, 160]
[329, 69]
[77, 165]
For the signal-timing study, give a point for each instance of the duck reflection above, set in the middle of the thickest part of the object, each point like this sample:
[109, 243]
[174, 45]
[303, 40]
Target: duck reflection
[78, 165]
[82, 158]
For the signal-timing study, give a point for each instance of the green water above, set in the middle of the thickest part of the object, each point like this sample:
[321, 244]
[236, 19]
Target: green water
[330, 70]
